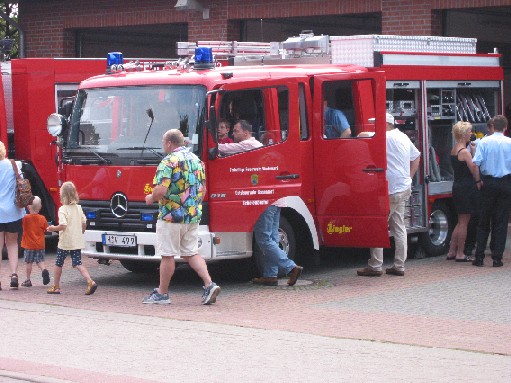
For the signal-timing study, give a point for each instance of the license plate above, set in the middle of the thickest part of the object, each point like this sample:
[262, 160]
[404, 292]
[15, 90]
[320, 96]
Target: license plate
[119, 240]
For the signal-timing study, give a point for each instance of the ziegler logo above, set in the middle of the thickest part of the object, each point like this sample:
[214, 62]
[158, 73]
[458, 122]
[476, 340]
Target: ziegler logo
[331, 228]
[148, 189]
[119, 205]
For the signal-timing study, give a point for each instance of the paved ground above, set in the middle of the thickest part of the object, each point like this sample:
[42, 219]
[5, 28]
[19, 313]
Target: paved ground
[443, 322]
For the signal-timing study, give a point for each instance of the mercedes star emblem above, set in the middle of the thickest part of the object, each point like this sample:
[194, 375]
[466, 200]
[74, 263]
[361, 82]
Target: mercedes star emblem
[119, 205]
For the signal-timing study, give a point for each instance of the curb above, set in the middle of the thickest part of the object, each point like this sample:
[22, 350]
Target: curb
[20, 377]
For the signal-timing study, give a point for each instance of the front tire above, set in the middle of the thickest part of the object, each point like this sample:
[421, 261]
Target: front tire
[287, 239]
[441, 224]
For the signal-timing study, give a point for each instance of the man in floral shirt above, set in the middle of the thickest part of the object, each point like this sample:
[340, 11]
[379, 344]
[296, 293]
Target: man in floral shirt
[179, 185]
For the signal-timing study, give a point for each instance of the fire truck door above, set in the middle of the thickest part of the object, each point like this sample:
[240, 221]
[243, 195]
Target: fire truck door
[351, 197]
[244, 181]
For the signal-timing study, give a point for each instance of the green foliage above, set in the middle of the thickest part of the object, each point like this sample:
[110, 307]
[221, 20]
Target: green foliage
[8, 29]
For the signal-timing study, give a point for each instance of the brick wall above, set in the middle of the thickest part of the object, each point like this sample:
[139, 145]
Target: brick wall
[423, 17]
[49, 25]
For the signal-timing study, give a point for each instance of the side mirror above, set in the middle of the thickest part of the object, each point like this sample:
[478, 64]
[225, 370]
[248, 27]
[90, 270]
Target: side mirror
[212, 153]
[211, 130]
[56, 124]
[212, 123]
[66, 106]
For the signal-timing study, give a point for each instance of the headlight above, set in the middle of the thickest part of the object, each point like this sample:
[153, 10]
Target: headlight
[54, 124]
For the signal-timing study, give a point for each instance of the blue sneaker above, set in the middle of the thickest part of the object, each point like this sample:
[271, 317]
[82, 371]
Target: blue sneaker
[157, 298]
[210, 293]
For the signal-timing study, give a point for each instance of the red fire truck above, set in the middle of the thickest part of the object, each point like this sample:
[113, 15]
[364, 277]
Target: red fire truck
[32, 89]
[335, 188]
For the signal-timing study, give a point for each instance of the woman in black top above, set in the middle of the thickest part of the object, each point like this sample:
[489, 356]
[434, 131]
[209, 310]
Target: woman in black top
[466, 182]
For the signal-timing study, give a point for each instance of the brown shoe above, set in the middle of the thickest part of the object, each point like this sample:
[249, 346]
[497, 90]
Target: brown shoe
[394, 271]
[368, 272]
[266, 281]
[294, 275]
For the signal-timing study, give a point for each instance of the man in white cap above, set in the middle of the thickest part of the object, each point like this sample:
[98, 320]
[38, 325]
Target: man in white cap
[402, 162]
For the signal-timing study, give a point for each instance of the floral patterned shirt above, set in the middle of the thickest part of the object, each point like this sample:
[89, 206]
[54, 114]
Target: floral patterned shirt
[182, 173]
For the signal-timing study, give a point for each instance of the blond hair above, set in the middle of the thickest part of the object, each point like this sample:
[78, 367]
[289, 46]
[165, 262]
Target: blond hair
[35, 206]
[68, 193]
[2, 151]
[460, 128]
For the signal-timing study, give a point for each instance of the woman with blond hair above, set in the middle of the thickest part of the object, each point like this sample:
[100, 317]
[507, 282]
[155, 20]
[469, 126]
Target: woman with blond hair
[10, 215]
[464, 188]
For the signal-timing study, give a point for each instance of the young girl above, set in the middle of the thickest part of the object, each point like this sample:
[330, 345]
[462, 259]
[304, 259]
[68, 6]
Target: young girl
[71, 227]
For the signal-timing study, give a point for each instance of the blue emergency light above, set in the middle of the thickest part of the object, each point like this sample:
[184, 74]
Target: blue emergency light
[90, 215]
[204, 58]
[147, 217]
[114, 58]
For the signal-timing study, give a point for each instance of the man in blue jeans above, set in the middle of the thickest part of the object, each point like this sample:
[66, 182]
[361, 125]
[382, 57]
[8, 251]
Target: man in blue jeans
[266, 231]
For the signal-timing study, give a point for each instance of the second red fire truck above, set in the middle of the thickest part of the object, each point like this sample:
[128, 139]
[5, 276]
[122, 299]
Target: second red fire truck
[335, 187]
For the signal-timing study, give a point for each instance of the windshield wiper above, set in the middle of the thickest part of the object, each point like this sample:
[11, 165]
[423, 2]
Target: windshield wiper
[101, 158]
[152, 150]
[150, 114]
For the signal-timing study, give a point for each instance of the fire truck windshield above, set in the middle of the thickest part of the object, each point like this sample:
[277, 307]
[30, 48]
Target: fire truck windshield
[124, 125]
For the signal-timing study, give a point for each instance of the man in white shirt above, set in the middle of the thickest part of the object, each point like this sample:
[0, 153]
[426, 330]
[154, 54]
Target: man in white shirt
[402, 163]
[243, 140]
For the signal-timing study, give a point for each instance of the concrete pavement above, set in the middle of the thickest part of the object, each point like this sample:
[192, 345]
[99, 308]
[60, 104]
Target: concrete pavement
[443, 322]
[83, 345]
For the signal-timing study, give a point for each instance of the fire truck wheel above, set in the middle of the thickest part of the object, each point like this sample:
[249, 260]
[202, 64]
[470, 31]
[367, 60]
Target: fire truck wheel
[436, 241]
[287, 239]
[287, 242]
[140, 267]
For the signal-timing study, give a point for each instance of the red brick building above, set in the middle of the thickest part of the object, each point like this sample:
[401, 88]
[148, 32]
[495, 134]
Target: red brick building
[65, 28]
[150, 28]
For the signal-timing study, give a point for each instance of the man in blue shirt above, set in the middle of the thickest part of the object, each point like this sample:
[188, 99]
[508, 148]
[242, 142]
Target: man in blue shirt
[493, 156]
[336, 123]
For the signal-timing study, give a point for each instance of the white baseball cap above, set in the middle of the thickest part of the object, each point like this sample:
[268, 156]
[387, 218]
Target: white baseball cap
[389, 118]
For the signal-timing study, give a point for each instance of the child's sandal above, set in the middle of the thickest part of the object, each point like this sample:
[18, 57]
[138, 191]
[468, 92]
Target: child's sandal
[91, 287]
[54, 290]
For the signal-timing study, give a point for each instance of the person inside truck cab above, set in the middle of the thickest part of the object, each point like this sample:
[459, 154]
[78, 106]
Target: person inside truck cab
[336, 124]
[223, 130]
[243, 140]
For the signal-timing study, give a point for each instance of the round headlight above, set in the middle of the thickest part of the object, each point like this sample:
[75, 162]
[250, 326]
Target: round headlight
[54, 124]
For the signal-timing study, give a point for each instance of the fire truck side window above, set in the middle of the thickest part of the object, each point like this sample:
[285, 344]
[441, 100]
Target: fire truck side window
[304, 127]
[266, 110]
[338, 112]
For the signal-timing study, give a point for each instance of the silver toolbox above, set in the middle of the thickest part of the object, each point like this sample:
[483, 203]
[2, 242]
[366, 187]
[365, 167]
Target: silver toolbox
[360, 49]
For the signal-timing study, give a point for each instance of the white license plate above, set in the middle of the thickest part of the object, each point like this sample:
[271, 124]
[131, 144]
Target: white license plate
[119, 240]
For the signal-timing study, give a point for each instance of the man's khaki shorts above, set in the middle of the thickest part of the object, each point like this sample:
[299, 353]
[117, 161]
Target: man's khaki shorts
[176, 239]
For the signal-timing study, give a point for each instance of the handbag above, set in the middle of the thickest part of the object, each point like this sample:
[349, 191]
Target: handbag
[23, 194]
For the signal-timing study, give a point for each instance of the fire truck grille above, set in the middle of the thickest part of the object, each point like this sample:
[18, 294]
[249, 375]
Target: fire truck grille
[137, 218]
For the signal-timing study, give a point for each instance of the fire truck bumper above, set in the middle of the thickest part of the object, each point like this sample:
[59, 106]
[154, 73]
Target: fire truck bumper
[135, 245]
